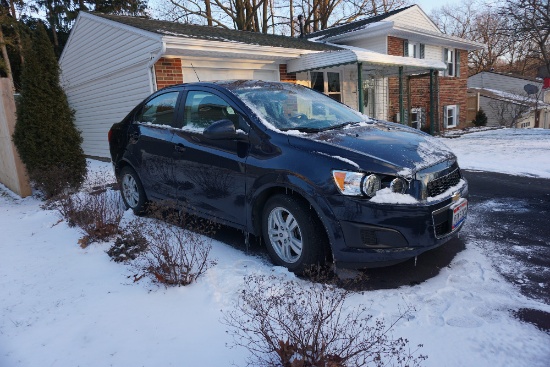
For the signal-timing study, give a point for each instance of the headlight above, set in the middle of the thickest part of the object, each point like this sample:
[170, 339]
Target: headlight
[371, 184]
[361, 184]
[398, 185]
[349, 183]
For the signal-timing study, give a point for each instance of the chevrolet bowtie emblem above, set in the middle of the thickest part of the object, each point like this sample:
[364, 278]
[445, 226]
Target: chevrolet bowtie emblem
[456, 196]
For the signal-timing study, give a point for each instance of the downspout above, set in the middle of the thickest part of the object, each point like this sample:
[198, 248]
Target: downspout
[151, 66]
[360, 87]
[401, 107]
[432, 103]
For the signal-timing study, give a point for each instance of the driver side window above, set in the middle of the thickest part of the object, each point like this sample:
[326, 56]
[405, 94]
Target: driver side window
[204, 108]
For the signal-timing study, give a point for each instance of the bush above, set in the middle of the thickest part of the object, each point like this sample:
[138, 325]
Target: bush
[178, 251]
[97, 209]
[481, 118]
[129, 244]
[286, 324]
[45, 135]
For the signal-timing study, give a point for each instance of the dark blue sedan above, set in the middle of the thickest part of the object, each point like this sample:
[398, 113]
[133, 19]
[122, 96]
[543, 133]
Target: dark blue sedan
[317, 180]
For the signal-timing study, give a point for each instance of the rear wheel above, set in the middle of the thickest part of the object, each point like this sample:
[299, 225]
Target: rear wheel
[294, 236]
[132, 190]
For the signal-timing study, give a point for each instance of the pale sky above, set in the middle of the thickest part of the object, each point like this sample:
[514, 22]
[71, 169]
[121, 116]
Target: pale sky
[428, 5]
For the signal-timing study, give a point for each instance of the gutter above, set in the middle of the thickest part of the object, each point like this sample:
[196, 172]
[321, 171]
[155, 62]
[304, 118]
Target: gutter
[151, 65]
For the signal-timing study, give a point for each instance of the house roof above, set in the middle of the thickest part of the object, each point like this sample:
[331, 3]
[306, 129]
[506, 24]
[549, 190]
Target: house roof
[511, 75]
[174, 29]
[518, 99]
[352, 26]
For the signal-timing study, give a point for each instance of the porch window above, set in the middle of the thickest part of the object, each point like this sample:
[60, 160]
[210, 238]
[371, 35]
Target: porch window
[450, 116]
[328, 83]
[451, 57]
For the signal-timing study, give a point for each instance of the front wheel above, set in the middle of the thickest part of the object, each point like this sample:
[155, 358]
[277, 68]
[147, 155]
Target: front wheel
[132, 191]
[294, 236]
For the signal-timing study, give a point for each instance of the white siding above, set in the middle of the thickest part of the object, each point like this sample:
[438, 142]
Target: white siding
[376, 44]
[433, 52]
[413, 17]
[105, 74]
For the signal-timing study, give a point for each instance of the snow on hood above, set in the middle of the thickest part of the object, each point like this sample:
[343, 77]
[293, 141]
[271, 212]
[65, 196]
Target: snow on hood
[404, 149]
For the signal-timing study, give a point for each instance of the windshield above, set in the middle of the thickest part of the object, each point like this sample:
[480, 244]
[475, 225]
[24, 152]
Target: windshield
[292, 107]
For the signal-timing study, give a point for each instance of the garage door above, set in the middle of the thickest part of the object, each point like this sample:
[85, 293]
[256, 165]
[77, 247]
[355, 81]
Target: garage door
[208, 73]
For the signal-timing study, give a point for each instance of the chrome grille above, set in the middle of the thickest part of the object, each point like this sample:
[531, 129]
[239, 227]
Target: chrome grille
[441, 184]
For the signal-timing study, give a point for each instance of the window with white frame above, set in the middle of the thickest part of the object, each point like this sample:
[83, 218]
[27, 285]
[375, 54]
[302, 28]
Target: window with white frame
[451, 57]
[450, 116]
[327, 82]
[413, 49]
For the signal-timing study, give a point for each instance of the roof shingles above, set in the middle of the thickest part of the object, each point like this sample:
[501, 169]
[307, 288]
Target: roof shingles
[216, 33]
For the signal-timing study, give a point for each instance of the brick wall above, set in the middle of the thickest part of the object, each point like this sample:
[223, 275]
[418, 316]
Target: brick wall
[168, 72]
[452, 90]
[395, 46]
[285, 76]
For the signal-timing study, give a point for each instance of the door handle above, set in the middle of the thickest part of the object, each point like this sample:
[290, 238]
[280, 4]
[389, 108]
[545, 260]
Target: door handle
[179, 148]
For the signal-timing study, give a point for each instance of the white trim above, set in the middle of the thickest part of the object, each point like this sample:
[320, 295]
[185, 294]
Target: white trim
[181, 46]
[414, 8]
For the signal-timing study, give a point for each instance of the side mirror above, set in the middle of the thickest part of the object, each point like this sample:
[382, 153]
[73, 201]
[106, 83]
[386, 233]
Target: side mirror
[222, 129]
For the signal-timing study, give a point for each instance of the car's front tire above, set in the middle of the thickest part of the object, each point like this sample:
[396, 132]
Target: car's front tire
[294, 236]
[132, 191]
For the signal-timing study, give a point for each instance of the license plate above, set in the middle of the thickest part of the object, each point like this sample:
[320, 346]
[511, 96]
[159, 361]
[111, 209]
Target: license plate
[459, 210]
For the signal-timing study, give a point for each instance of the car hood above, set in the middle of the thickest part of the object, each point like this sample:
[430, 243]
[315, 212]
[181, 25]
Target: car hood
[393, 148]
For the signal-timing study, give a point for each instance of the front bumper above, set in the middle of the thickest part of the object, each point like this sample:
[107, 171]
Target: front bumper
[383, 234]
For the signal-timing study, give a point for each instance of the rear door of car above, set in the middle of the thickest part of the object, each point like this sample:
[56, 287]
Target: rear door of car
[150, 144]
[210, 174]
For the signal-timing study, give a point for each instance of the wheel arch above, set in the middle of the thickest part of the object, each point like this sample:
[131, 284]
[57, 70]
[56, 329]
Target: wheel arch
[318, 207]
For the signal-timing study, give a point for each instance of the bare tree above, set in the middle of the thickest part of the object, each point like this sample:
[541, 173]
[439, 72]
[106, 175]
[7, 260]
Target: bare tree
[478, 21]
[274, 16]
[530, 20]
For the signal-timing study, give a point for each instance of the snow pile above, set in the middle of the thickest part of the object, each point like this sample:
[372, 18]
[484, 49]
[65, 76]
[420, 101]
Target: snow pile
[387, 196]
[522, 152]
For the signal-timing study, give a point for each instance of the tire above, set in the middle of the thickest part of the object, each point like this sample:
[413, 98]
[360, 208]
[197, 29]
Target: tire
[132, 191]
[294, 236]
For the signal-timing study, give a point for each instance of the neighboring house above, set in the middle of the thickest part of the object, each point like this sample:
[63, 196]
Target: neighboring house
[397, 66]
[507, 101]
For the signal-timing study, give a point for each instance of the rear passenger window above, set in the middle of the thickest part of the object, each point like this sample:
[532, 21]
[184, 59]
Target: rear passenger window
[203, 108]
[159, 110]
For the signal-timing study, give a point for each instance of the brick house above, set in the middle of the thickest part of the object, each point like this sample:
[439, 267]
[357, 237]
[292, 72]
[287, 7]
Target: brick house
[397, 66]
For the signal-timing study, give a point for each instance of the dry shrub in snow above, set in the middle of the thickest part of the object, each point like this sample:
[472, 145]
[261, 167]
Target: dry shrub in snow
[129, 244]
[285, 323]
[178, 247]
[96, 208]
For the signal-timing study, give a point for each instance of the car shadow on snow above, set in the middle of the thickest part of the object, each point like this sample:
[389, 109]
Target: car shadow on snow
[410, 272]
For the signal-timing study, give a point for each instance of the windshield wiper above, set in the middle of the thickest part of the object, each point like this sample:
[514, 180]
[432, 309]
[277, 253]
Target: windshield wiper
[339, 126]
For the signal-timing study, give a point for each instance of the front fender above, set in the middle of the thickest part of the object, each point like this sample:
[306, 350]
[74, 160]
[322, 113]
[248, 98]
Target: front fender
[292, 185]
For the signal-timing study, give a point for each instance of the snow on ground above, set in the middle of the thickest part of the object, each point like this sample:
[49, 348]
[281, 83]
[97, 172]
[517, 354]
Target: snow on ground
[522, 152]
[61, 305]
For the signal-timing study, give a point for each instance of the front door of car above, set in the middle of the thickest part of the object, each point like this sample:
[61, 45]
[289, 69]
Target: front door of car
[210, 173]
[151, 147]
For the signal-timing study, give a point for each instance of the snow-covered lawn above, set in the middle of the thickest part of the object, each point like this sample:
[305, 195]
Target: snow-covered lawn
[61, 305]
[523, 152]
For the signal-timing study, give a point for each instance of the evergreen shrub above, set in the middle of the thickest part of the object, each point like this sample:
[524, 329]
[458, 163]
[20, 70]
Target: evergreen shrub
[45, 134]
[481, 118]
